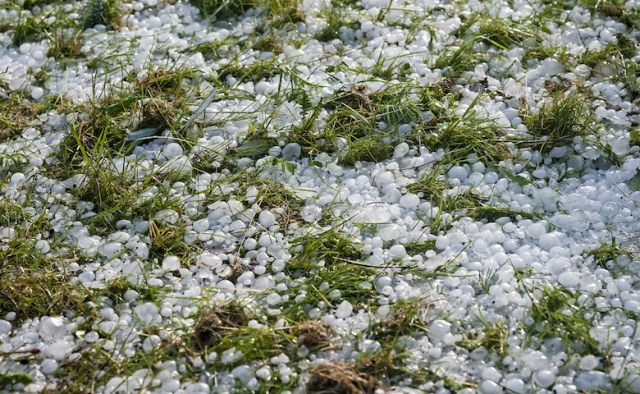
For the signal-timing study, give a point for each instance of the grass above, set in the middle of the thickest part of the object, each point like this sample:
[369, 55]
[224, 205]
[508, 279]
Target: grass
[559, 121]
[380, 105]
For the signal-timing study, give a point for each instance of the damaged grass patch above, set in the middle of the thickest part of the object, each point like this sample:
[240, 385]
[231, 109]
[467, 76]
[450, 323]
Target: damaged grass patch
[341, 378]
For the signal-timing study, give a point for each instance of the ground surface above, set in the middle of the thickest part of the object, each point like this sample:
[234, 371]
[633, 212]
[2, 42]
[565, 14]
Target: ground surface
[319, 196]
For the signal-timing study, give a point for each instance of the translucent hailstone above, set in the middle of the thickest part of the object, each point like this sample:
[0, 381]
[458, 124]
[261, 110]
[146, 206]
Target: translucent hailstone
[171, 263]
[515, 385]
[266, 219]
[59, 349]
[401, 150]
[458, 172]
[37, 93]
[52, 328]
[438, 328]
[231, 355]
[151, 343]
[389, 233]
[345, 309]
[591, 380]
[291, 151]
[48, 366]
[544, 378]
[536, 230]
[558, 265]
[379, 215]
[172, 150]
[5, 327]
[569, 279]
[147, 312]
[589, 362]
[442, 242]
[580, 220]
[490, 387]
[42, 246]
[409, 201]
[397, 251]
[311, 213]
[201, 225]
[548, 241]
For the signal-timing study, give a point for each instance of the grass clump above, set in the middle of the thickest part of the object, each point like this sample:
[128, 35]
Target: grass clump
[32, 285]
[501, 33]
[556, 313]
[607, 254]
[341, 378]
[559, 121]
[407, 320]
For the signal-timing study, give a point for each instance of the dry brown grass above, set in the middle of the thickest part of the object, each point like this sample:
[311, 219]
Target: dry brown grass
[340, 378]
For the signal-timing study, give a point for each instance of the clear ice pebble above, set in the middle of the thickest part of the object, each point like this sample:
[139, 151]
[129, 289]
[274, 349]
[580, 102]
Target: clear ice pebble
[544, 378]
[397, 251]
[58, 350]
[267, 219]
[311, 213]
[401, 150]
[345, 309]
[291, 151]
[379, 215]
[458, 172]
[171, 263]
[580, 220]
[48, 366]
[536, 230]
[409, 201]
[201, 225]
[589, 362]
[439, 328]
[110, 249]
[548, 241]
[172, 150]
[37, 93]
[147, 312]
[52, 328]
[489, 387]
[591, 380]
[5, 327]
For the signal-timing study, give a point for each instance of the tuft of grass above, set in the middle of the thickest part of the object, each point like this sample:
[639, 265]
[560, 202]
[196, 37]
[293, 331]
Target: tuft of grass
[557, 314]
[406, 321]
[339, 378]
[559, 121]
[462, 135]
[606, 254]
[33, 285]
[501, 33]
[103, 12]
[493, 338]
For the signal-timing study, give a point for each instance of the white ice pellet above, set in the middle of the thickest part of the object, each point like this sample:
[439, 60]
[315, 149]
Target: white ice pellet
[544, 378]
[344, 310]
[172, 150]
[267, 219]
[311, 213]
[171, 263]
[201, 225]
[291, 151]
[58, 349]
[409, 201]
[52, 328]
[458, 172]
[5, 327]
[536, 230]
[397, 251]
[147, 312]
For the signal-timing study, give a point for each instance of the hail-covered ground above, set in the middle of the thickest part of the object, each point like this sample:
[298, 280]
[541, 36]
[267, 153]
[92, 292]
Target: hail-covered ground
[319, 196]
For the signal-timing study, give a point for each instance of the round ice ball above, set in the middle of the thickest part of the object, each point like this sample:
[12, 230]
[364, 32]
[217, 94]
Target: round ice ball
[458, 172]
